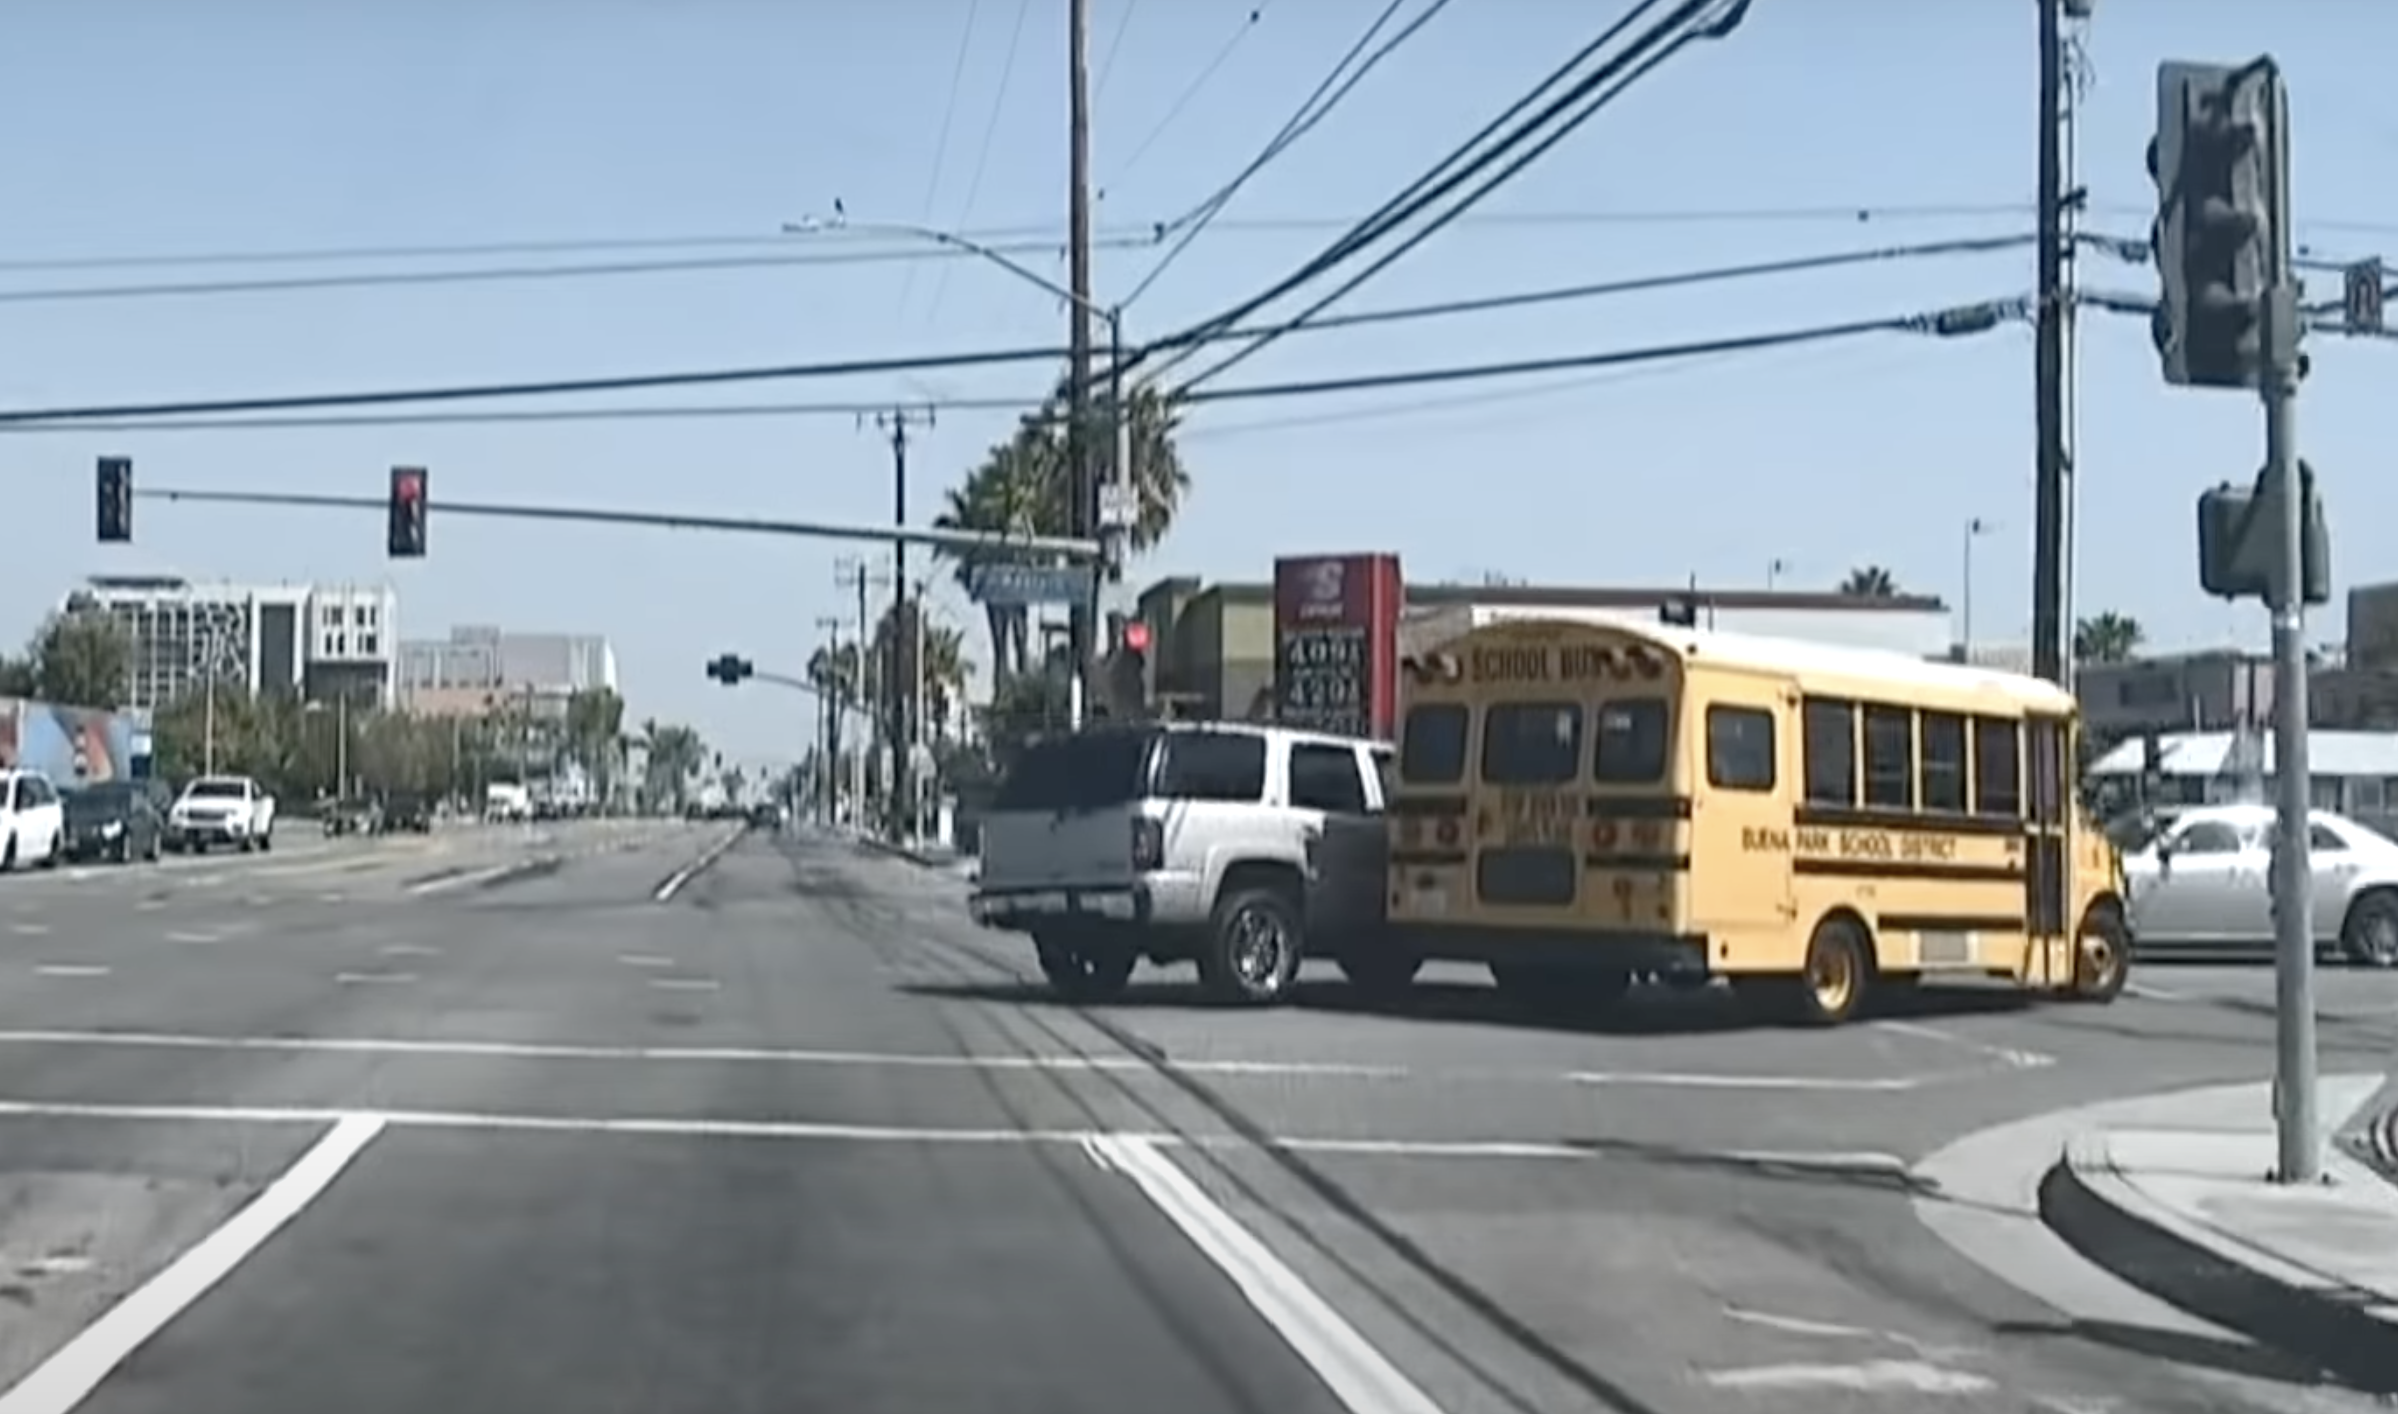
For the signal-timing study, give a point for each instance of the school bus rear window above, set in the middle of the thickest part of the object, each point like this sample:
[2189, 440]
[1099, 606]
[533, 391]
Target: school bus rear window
[1631, 742]
[1432, 743]
[1531, 743]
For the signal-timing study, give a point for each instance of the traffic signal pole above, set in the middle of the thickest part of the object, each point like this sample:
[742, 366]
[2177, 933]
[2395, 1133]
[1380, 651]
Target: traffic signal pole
[2298, 1142]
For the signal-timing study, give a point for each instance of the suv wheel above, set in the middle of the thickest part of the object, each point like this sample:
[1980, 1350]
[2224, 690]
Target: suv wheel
[1253, 949]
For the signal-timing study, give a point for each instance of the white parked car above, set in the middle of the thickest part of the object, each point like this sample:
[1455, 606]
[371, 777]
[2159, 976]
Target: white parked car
[2203, 884]
[33, 822]
[226, 810]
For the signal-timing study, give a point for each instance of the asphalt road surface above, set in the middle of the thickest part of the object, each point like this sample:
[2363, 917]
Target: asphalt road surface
[655, 1118]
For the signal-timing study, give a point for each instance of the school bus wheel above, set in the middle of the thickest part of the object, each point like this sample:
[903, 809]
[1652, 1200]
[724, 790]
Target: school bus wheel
[2102, 954]
[1832, 986]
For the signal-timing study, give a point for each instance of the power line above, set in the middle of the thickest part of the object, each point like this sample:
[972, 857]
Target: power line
[1115, 46]
[949, 114]
[1183, 100]
[1354, 319]
[545, 389]
[1642, 284]
[1327, 96]
[982, 155]
[504, 274]
[1947, 323]
[1460, 165]
[1640, 58]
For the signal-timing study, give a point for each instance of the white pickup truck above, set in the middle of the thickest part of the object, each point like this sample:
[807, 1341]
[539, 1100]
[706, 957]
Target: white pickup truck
[1241, 847]
[226, 810]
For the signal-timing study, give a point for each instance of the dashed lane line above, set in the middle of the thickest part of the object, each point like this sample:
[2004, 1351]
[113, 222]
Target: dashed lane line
[70, 969]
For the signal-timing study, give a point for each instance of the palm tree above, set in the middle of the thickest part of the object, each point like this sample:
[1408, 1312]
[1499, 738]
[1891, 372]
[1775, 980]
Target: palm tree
[1024, 487]
[2107, 638]
[676, 756]
[1870, 582]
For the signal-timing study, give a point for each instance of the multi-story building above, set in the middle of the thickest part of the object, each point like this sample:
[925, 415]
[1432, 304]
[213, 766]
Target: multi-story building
[318, 640]
[480, 668]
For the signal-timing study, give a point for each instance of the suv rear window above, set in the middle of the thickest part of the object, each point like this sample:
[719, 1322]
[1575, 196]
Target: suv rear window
[1085, 771]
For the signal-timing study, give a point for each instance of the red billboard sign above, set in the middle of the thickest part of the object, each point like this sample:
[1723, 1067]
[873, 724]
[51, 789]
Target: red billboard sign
[1336, 643]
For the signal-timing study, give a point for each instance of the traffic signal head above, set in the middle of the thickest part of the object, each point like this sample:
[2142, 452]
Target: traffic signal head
[407, 539]
[729, 668]
[116, 500]
[2238, 541]
[2216, 220]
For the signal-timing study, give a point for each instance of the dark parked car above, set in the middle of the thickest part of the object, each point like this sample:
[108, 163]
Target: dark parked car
[413, 813]
[117, 820]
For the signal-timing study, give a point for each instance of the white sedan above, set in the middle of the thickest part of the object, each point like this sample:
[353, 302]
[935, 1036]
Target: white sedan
[2202, 884]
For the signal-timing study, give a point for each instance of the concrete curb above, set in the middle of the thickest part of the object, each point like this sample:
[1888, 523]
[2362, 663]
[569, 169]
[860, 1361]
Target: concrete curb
[2109, 1219]
[2370, 1136]
[901, 852]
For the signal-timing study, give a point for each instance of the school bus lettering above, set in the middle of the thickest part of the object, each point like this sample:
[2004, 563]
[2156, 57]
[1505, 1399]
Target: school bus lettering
[1814, 841]
[1536, 817]
[1765, 840]
[1936, 848]
[1510, 665]
[1867, 844]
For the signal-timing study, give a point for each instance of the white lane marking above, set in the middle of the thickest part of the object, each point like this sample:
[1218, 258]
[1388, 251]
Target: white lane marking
[2008, 1056]
[69, 969]
[686, 984]
[666, 1126]
[1704, 1080]
[1833, 1160]
[370, 979]
[539, 1050]
[673, 883]
[644, 959]
[1359, 1376]
[69, 1376]
[1799, 1325]
[29, 930]
[331, 898]
[2152, 993]
[410, 950]
[472, 876]
[181, 936]
[151, 905]
[1861, 1377]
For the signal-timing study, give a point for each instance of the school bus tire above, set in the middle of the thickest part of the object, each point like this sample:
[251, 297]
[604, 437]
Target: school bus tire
[1833, 985]
[2102, 954]
[1255, 942]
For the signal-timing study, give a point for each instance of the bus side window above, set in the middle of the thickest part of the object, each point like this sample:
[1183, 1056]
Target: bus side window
[1997, 768]
[1829, 742]
[1740, 748]
[1889, 758]
[1944, 770]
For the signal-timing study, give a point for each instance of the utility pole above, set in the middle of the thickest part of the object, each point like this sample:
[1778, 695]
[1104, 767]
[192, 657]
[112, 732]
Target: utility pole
[2048, 361]
[830, 697]
[902, 796]
[1083, 467]
[857, 575]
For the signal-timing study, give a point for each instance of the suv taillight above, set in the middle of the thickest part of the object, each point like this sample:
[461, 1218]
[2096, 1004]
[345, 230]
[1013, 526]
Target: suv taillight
[1148, 846]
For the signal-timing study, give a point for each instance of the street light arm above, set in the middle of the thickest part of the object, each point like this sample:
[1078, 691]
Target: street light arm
[811, 226]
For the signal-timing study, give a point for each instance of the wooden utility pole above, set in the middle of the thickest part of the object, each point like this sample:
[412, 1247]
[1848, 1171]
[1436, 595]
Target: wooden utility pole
[898, 702]
[1084, 473]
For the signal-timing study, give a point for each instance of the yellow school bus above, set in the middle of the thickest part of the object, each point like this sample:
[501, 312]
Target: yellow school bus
[1582, 804]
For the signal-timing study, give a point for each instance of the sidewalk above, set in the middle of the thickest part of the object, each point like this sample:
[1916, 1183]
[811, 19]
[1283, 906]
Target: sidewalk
[2170, 1196]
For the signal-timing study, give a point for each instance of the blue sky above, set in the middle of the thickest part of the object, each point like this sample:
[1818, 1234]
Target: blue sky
[148, 128]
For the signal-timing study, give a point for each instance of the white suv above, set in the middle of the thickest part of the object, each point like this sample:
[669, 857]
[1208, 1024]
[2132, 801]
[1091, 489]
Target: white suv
[33, 825]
